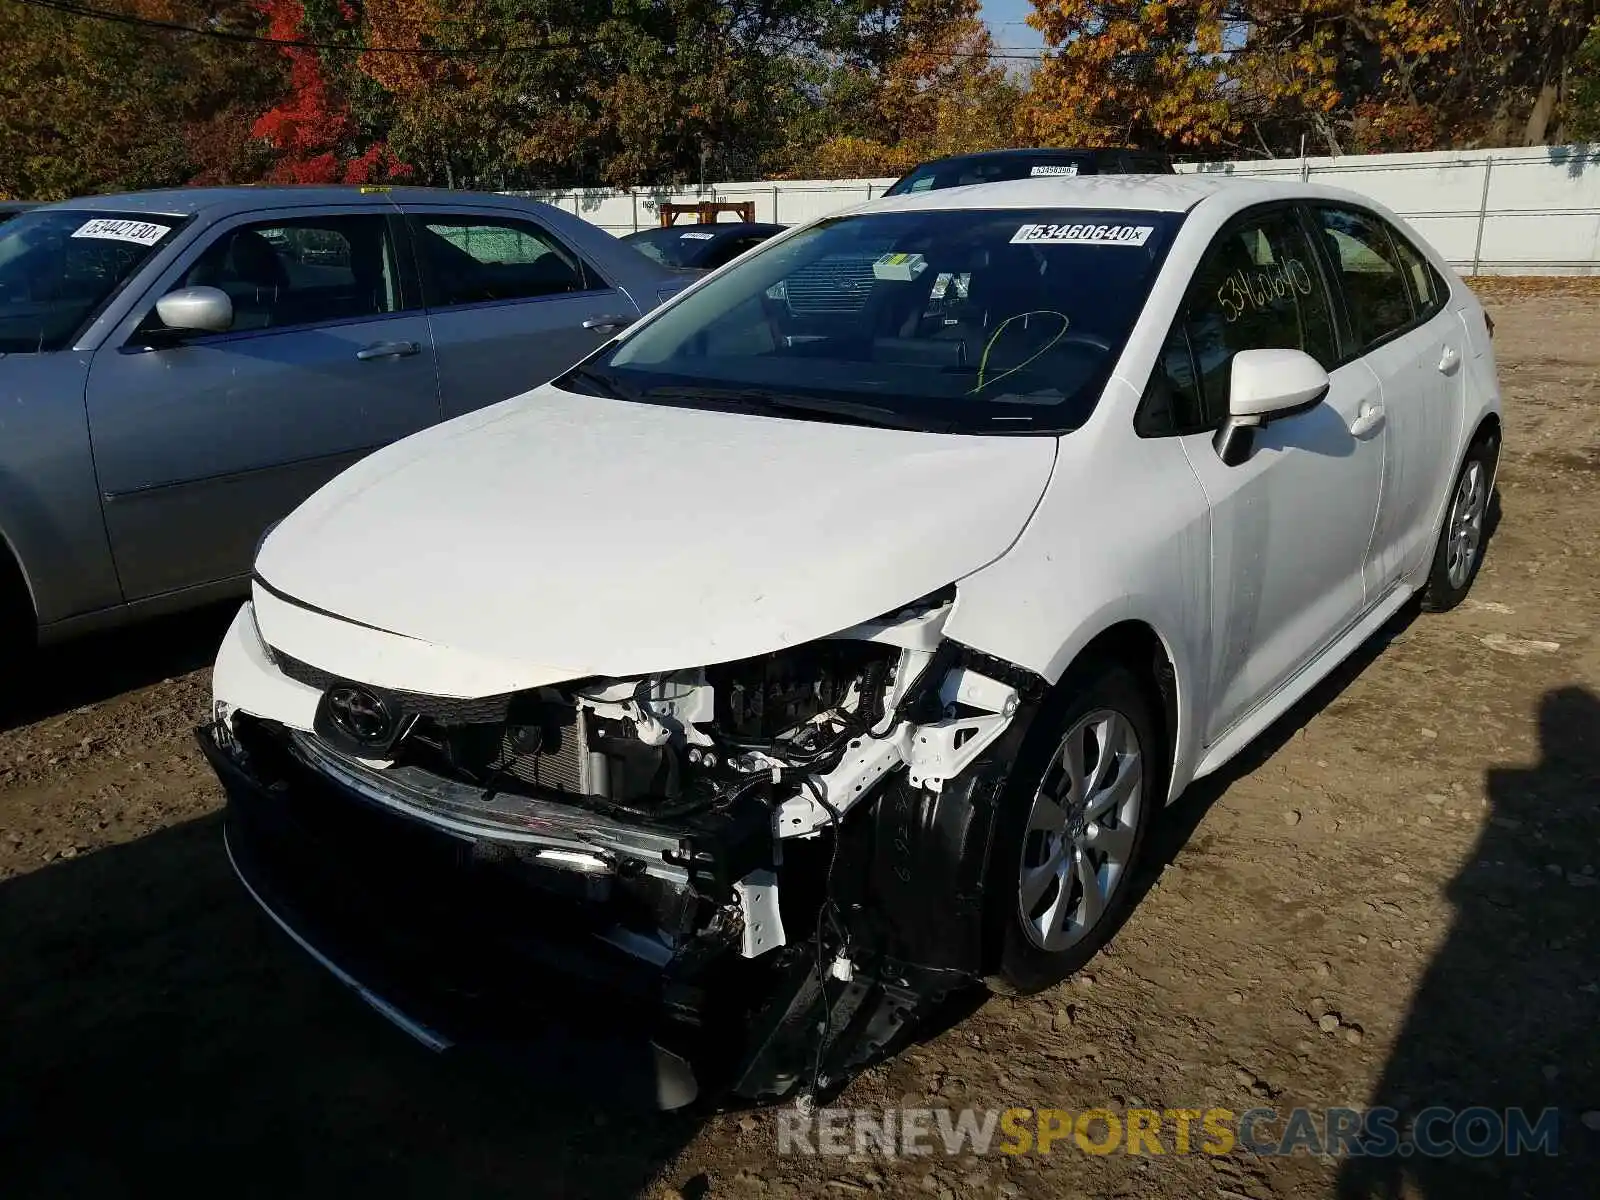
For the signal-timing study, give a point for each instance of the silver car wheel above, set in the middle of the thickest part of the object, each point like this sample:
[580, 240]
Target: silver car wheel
[1080, 833]
[1465, 525]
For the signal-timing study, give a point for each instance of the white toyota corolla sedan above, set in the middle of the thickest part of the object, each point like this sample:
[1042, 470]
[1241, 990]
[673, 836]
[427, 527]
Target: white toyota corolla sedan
[829, 641]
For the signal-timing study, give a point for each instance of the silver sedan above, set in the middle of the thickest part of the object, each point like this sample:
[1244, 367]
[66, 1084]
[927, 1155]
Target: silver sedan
[179, 369]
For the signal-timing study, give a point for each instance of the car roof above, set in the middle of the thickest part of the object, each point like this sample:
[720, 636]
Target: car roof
[1140, 193]
[1031, 152]
[184, 202]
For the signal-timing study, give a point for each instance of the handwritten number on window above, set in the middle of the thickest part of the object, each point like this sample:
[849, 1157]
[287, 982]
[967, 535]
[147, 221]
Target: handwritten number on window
[1257, 290]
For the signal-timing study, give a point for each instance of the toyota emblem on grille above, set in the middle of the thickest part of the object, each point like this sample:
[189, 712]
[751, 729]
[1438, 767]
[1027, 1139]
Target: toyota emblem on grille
[359, 714]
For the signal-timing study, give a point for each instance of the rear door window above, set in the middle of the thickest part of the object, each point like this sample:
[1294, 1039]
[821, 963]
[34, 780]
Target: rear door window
[1428, 291]
[1370, 273]
[481, 260]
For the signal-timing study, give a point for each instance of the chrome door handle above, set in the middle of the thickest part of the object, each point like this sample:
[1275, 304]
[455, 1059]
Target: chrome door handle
[611, 322]
[387, 350]
[1449, 360]
[1370, 417]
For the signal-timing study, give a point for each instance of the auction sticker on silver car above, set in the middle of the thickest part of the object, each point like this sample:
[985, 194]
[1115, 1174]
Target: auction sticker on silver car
[144, 233]
[1085, 235]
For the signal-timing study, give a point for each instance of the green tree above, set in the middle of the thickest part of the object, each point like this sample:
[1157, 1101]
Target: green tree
[1583, 104]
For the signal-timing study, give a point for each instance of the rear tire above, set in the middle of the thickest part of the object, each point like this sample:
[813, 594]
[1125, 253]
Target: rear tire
[1462, 540]
[1073, 826]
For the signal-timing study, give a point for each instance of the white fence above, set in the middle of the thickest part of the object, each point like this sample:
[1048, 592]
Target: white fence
[1532, 211]
[1495, 212]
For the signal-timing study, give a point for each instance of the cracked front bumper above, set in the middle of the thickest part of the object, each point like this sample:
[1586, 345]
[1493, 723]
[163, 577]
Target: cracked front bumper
[447, 935]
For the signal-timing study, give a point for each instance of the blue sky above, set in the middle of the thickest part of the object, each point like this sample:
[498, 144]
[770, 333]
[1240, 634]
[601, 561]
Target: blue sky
[1006, 18]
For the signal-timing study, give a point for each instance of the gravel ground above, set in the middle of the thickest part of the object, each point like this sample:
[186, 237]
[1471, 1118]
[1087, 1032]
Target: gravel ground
[1394, 898]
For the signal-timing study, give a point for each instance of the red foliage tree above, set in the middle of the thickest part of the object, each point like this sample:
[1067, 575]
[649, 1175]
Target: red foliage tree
[311, 128]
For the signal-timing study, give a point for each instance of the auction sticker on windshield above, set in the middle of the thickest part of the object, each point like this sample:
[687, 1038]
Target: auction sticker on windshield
[1085, 235]
[143, 233]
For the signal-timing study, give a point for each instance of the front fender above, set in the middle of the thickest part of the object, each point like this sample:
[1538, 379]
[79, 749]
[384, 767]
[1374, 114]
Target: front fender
[1123, 533]
[49, 499]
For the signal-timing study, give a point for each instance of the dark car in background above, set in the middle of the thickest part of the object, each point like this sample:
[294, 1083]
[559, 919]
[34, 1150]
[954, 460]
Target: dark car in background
[13, 208]
[700, 247]
[993, 166]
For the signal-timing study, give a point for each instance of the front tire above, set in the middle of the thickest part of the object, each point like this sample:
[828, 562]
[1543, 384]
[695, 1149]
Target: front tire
[1459, 554]
[1073, 827]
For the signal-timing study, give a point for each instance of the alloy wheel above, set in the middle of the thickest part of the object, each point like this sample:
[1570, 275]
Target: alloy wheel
[1466, 523]
[1080, 832]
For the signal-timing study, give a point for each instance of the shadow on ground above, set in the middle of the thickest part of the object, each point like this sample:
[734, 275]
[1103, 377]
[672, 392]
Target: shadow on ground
[159, 1032]
[1178, 823]
[1508, 1013]
[90, 669]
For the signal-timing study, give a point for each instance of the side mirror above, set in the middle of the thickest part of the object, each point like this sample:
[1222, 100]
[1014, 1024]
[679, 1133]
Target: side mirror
[1267, 385]
[196, 310]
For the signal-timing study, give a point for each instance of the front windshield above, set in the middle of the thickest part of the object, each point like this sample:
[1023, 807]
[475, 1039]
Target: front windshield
[965, 320]
[57, 267]
[671, 247]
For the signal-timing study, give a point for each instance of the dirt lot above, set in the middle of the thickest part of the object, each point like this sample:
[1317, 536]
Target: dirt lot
[1416, 852]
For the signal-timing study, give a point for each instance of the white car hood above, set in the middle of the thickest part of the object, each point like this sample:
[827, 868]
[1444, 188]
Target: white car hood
[566, 536]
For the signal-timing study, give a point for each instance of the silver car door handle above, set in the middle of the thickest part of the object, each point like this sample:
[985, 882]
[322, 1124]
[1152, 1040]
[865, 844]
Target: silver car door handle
[1449, 360]
[387, 350]
[1370, 417]
[611, 322]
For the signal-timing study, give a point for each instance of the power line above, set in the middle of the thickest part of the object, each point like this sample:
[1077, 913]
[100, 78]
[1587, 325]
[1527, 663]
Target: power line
[86, 12]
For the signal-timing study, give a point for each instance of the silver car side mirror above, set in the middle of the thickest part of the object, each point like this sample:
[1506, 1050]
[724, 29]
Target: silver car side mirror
[196, 309]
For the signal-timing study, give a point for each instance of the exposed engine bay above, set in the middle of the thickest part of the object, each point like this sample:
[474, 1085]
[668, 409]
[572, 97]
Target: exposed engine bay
[796, 842]
[671, 743]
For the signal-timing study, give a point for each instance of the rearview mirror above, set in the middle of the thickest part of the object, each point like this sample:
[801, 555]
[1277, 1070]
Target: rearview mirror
[196, 310]
[1267, 385]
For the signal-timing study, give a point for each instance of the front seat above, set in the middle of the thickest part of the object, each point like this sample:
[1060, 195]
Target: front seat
[247, 268]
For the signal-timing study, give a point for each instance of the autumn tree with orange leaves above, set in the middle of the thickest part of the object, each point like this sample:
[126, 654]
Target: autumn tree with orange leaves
[563, 93]
[313, 130]
[1257, 76]
[939, 90]
[96, 106]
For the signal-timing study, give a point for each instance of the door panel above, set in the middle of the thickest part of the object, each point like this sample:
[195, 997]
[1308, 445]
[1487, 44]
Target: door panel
[1291, 531]
[1397, 323]
[507, 303]
[1417, 405]
[1292, 523]
[200, 446]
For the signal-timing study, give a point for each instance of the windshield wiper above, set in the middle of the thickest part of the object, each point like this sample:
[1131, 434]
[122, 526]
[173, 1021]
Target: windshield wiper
[788, 405]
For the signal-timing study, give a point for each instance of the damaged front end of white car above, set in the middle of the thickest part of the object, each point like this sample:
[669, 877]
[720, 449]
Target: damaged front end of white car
[773, 869]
